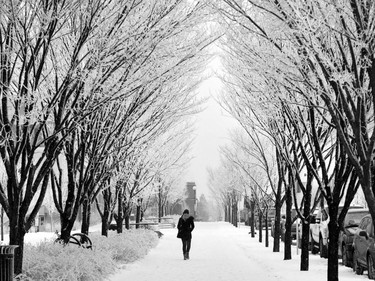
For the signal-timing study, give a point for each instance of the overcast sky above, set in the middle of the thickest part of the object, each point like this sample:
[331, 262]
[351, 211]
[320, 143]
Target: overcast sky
[212, 130]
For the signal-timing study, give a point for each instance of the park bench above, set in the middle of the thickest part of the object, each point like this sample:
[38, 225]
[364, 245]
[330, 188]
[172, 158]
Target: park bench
[161, 225]
[147, 225]
[167, 222]
[164, 225]
[79, 239]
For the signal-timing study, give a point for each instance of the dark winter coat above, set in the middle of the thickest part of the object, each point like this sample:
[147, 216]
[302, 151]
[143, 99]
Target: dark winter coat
[185, 227]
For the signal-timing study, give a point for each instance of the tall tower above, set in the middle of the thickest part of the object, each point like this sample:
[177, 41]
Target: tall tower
[191, 198]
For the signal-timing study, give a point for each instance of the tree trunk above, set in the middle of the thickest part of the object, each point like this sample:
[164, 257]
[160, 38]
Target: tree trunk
[163, 211]
[160, 205]
[334, 230]
[305, 239]
[20, 220]
[229, 213]
[226, 213]
[127, 222]
[105, 220]
[333, 267]
[138, 213]
[67, 225]
[106, 213]
[166, 212]
[288, 224]
[127, 212]
[70, 212]
[119, 222]
[252, 225]
[276, 226]
[119, 217]
[86, 213]
[17, 237]
[2, 224]
[234, 215]
[232, 212]
[266, 220]
[105, 225]
[260, 217]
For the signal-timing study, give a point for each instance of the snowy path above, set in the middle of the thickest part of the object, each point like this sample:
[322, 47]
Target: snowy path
[222, 252]
[214, 252]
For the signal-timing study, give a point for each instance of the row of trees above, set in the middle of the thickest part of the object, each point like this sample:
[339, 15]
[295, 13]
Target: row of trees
[299, 78]
[94, 98]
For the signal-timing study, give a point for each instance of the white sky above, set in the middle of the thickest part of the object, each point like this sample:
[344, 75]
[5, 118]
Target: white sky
[212, 130]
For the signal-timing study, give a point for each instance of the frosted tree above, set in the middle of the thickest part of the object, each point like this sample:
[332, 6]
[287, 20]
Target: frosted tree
[227, 188]
[30, 140]
[334, 72]
[62, 61]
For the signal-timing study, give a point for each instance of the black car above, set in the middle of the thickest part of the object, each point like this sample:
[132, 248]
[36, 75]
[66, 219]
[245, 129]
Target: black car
[350, 227]
[364, 247]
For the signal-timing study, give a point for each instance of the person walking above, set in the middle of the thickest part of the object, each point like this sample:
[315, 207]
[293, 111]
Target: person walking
[185, 227]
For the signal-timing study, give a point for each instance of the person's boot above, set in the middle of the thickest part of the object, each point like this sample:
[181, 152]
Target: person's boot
[187, 256]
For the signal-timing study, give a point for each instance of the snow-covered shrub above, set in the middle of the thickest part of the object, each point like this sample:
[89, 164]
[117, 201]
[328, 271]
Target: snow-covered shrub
[128, 246]
[50, 261]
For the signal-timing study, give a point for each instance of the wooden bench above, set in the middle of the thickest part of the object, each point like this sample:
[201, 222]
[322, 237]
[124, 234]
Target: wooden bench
[79, 239]
[143, 224]
[164, 225]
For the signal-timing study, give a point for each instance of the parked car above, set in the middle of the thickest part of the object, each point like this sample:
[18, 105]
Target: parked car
[269, 222]
[364, 248]
[319, 231]
[299, 240]
[282, 229]
[349, 228]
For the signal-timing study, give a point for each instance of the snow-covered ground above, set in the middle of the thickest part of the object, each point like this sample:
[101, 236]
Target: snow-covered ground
[33, 238]
[219, 252]
[37, 237]
[223, 252]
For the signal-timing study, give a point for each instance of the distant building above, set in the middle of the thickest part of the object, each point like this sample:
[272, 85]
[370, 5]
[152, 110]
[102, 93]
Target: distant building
[190, 201]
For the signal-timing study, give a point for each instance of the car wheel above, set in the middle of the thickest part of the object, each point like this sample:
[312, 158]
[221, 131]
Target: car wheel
[323, 249]
[357, 267]
[370, 268]
[344, 255]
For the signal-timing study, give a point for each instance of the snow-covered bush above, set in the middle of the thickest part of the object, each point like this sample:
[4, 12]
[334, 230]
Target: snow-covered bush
[128, 246]
[53, 261]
